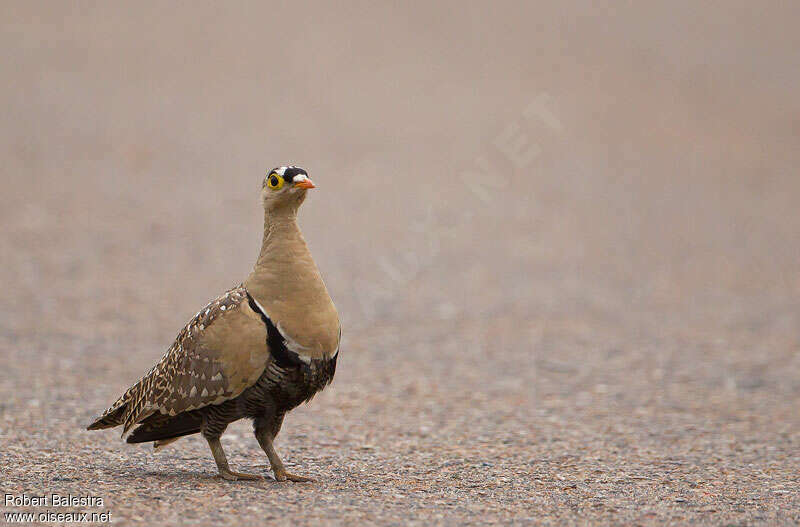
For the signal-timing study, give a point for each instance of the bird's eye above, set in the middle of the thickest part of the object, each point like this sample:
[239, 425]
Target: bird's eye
[274, 181]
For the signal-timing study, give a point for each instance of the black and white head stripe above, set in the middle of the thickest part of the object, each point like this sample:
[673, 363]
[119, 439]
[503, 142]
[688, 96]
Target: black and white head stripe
[289, 173]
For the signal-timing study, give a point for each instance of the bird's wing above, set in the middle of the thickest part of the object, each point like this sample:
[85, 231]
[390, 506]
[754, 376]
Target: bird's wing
[222, 351]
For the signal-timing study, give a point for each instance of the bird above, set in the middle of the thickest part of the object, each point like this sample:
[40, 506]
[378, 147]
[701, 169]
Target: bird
[258, 351]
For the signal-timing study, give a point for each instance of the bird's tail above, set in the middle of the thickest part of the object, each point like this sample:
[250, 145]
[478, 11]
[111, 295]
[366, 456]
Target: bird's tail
[161, 443]
[164, 428]
[113, 417]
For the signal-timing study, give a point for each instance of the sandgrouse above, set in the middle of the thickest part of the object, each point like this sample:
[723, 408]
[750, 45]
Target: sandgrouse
[258, 351]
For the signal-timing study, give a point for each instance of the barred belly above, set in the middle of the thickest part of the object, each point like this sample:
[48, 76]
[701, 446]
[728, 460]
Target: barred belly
[276, 392]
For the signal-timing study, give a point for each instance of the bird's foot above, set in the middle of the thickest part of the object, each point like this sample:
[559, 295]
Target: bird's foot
[229, 475]
[282, 475]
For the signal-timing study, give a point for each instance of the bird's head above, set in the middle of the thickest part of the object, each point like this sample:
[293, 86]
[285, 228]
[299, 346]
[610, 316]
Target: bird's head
[285, 187]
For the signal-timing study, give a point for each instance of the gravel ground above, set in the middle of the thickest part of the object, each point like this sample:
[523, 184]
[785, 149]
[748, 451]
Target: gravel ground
[599, 327]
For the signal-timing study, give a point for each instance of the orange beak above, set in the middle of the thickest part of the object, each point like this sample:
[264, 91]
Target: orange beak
[306, 184]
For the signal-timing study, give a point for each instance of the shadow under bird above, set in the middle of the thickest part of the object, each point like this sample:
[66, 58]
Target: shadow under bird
[258, 351]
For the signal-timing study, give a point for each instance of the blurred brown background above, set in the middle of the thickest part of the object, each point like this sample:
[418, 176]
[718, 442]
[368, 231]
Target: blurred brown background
[564, 242]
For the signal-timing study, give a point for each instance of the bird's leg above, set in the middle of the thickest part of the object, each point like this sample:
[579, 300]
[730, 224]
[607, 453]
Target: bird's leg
[222, 463]
[265, 439]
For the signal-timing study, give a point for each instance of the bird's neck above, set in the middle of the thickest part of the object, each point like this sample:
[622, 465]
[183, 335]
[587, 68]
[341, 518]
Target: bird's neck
[284, 256]
[282, 237]
[287, 286]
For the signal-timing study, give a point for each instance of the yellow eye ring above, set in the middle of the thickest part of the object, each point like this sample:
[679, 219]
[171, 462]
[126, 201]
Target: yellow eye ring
[275, 181]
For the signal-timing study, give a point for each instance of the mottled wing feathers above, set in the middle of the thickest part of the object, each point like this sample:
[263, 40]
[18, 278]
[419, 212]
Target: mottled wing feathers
[215, 357]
